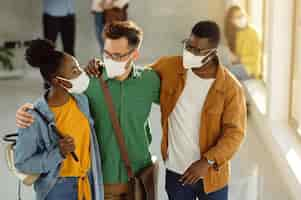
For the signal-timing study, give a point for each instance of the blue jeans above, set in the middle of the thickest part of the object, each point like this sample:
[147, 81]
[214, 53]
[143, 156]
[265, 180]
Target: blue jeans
[176, 191]
[66, 188]
[99, 26]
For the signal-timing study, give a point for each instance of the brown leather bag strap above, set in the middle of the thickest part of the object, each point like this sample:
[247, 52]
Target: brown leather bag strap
[116, 125]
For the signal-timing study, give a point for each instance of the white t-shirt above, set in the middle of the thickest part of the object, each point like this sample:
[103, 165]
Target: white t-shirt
[118, 3]
[184, 124]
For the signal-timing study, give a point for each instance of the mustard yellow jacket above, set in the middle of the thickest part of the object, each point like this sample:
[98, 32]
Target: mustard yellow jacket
[249, 50]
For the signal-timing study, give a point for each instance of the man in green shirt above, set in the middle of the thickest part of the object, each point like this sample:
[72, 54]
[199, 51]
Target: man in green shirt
[133, 91]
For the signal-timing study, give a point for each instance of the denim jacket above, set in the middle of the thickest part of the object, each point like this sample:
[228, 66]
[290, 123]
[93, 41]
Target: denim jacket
[37, 150]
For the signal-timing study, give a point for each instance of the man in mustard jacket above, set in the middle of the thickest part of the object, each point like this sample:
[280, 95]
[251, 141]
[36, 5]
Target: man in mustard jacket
[203, 118]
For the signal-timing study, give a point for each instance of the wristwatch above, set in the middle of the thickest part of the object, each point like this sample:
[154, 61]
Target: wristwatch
[213, 164]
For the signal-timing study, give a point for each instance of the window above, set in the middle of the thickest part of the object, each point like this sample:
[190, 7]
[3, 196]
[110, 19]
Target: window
[296, 71]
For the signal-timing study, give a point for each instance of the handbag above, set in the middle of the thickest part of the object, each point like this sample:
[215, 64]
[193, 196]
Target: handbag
[115, 14]
[142, 184]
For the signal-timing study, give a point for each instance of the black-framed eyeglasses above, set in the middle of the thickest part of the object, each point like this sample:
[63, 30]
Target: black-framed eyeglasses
[194, 50]
[117, 56]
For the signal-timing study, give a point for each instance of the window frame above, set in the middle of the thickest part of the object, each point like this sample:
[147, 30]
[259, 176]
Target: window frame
[292, 121]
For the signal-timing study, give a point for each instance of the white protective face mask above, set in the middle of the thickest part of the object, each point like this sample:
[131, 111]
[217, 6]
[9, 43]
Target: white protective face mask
[191, 61]
[114, 68]
[79, 84]
[242, 22]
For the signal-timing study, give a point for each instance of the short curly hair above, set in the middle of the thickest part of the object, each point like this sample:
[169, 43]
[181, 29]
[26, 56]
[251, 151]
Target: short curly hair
[209, 30]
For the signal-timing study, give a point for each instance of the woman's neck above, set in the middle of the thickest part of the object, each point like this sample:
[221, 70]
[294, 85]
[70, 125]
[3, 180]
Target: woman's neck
[57, 97]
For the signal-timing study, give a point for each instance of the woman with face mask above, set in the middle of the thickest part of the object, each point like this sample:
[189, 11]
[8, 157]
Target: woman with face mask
[69, 161]
[243, 41]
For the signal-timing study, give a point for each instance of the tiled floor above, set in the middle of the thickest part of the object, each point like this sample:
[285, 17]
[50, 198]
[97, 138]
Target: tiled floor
[253, 175]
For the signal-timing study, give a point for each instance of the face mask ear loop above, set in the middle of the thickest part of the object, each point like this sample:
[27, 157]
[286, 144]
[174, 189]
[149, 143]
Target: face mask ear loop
[64, 80]
[130, 62]
[208, 56]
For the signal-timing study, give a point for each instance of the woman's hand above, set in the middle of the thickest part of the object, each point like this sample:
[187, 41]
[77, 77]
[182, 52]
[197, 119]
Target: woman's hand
[23, 118]
[66, 145]
[93, 68]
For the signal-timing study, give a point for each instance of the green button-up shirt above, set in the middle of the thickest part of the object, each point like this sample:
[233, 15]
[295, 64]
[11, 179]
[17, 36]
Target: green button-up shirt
[133, 99]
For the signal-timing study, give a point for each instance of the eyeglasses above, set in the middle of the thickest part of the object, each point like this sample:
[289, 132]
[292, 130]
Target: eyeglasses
[194, 50]
[117, 56]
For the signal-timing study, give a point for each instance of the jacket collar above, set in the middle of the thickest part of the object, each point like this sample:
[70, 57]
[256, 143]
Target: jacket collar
[42, 105]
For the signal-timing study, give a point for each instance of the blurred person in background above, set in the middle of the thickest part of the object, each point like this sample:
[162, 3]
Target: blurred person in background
[244, 44]
[59, 18]
[98, 9]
